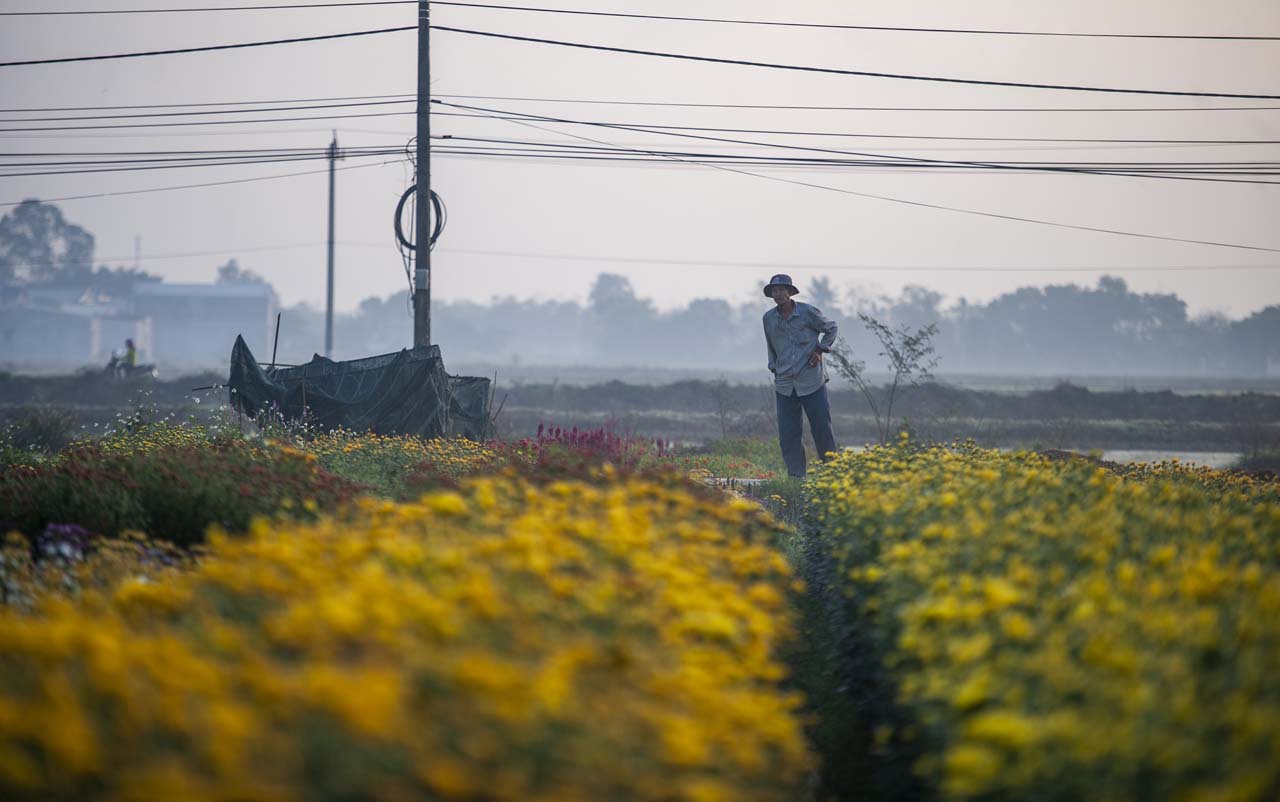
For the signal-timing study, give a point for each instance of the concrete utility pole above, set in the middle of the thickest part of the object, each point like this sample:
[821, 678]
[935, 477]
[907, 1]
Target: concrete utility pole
[328, 308]
[422, 235]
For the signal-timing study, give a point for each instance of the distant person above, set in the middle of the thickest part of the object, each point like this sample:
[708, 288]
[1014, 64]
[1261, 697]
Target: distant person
[800, 379]
[121, 365]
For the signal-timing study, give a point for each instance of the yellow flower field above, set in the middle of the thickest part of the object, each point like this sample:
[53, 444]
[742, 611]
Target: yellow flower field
[457, 455]
[1056, 631]
[385, 463]
[506, 642]
[152, 437]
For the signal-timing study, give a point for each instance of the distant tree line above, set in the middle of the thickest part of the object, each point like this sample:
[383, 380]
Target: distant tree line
[1056, 330]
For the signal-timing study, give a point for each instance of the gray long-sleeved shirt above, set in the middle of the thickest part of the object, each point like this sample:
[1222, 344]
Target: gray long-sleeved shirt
[791, 342]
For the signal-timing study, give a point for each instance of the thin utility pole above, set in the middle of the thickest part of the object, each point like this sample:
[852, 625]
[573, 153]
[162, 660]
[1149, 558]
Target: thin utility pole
[328, 308]
[422, 235]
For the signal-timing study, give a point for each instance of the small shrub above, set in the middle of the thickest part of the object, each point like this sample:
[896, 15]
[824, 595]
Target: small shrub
[42, 429]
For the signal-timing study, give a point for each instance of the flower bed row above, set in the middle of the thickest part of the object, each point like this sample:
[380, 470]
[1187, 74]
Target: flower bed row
[174, 481]
[565, 641]
[1054, 631]
[393, 466]
[171, 490]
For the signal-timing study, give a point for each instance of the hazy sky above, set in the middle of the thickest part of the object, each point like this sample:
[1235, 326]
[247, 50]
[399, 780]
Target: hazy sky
[733, 223]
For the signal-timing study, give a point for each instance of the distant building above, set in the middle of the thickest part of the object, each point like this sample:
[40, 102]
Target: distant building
[43, 326]
[195, 325]
[178, 326]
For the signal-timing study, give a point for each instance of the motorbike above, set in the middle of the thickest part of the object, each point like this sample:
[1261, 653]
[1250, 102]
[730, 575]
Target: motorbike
[117, 368]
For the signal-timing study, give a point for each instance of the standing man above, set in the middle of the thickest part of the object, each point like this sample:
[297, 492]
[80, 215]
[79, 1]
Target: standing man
[791, 331]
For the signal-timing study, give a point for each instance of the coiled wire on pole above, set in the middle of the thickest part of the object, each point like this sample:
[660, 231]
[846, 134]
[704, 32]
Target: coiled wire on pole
[441, 214]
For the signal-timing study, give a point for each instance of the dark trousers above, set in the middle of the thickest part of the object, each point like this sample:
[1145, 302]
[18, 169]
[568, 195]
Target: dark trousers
[791, 428]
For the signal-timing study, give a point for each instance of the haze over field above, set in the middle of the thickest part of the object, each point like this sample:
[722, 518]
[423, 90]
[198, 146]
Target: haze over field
[65, 314]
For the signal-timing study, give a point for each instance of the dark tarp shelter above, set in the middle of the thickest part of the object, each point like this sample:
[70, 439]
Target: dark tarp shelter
[407, 392]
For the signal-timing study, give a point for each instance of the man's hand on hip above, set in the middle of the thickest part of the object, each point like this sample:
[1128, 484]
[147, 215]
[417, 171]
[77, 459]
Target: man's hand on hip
[815, 357]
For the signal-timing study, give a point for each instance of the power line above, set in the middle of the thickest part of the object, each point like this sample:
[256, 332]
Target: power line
[202, 134]
[639, 260]
[525, 150]
[205, 122]
[199, 186]
[222, 103]
[834, 71]
[862, 135]
[164, 257]
[659, 17]
[873, 158]
[801, 165]
[247, 121]
[804, 164]
[939, 207]
[831, 26]
[225, 151]
[151, 159]
[264, 132]
[654, 103]
[309, 107]
[898, 159]
[877, 159]
[1019, 109]
[652, 53]
[192, 164]
[713, 263]
[278, 7]
[525, 147]
[223, 132]
[123, 160]
[232, 251]
[207, 48]
[977, 148]
[842, 134]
